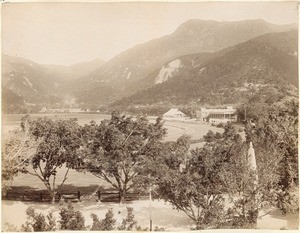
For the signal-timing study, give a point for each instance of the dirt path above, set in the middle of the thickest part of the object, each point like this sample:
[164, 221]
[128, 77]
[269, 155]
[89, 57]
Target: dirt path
[163, 215]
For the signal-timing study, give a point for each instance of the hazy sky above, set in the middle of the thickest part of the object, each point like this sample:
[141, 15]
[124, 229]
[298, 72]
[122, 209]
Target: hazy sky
[67, 33]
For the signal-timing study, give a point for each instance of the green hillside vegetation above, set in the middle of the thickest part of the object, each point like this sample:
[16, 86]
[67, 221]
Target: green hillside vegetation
[229, 78]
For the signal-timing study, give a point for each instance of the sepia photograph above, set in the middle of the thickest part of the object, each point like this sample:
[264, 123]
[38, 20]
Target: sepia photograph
[149, 116]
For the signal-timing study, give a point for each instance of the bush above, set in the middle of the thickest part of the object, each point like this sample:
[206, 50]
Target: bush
[106, 224]
[71, 219]
[37, 222]
[156, 228]
[220, 125]
[129, 222]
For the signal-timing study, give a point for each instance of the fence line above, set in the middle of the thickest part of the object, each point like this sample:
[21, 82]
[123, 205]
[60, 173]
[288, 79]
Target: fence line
[43, 196]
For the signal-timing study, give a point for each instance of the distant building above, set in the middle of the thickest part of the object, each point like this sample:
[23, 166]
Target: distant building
[174, 113]
[217, 115]
[60, 110]
[75, 110]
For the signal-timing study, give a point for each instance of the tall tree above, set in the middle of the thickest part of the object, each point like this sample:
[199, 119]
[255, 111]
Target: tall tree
[276, 132]
[117, 149]
[248, 194]
[196, 189]
[58, 149]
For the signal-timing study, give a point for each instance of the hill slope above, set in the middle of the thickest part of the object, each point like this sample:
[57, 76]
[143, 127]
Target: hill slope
[77, 70]
[228, 77]
[27, 85]
[32, 82]
[123, 72]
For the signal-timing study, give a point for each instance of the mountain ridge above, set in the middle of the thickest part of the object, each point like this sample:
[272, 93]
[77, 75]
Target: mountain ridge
[117, 78]
[222, 79]
[123, 71]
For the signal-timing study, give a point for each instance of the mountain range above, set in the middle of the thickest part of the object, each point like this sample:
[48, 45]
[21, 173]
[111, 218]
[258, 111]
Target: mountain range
[202, 62]
[223, 77]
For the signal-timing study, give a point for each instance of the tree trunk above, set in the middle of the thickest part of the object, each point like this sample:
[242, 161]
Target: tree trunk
[253, 215]
[122, 196]
[53, 193]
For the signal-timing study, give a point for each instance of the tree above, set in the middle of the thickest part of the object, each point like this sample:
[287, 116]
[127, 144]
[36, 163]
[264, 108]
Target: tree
[59, 146]
[18, 147]
[246, 194]
[276, 133]
[116, 150]
[190, 111]
[196, 190]
[217, 172]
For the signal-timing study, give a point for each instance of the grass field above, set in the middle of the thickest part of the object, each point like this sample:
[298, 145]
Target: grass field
[175, 128]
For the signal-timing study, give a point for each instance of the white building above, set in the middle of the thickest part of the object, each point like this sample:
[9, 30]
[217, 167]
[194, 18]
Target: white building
[217, 115]
[174, 113]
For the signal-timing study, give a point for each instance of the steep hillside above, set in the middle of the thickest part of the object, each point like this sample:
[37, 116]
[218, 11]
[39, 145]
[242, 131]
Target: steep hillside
[29, 80]
[228, 77]
[123, 72]
[28, 85]
[11, 102]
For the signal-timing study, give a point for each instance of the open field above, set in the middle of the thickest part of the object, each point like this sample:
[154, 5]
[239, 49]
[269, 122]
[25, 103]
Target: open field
[175, 129]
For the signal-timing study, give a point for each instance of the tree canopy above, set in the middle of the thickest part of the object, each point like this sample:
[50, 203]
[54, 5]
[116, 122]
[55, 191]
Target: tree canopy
[117, 149]
[18, 147]
[58, 148]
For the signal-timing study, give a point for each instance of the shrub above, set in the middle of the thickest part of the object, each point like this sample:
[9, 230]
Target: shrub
[156, 228]
[129, 222]
[106, 224]
[220, 125]
[71, 219]
[37, 222]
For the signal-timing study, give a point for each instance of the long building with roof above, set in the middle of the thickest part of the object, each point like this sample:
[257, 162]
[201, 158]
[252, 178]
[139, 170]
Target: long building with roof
[217, 115]
[174, 113]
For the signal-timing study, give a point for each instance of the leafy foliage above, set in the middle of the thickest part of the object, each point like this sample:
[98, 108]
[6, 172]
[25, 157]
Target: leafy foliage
[275, 135]
[59, 146]
[71, 219]
[106, 224]
[18, 147]
[38, 222]
[116, 150]
[129, 223]
[196, 190]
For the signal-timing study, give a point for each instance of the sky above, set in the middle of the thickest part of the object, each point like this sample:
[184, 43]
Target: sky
[69, 33]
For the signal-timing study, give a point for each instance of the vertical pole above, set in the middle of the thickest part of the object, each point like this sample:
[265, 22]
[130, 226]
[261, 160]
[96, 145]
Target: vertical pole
[78, 195]
[41, 197]
[150, 199]
[99, 195]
